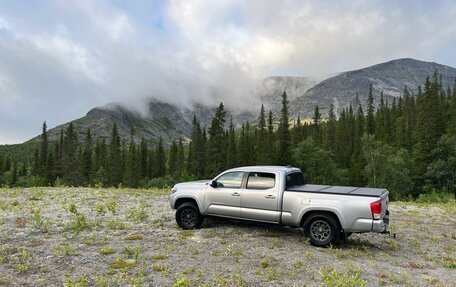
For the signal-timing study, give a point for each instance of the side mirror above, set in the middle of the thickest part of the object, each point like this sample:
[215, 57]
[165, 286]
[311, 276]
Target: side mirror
[213, 184]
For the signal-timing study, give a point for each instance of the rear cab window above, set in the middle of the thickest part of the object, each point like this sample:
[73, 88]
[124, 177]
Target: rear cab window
[294, 179]
[261, 180]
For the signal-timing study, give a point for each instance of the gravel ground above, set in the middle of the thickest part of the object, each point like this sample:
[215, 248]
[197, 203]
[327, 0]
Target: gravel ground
[125, 237]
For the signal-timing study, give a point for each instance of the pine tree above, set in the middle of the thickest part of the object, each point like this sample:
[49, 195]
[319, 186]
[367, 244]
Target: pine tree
[172, 159]
[131, 175]
[180, 161]
[316, 129]
[44, 171]
[114, 166]
[143, 153]
[160, 159]
[87, 159]
[231, 156]
[330, 137]
[70, 168]
[283, 133]
[262, 139]
[370, 112]
[216, 146]
[271, 152]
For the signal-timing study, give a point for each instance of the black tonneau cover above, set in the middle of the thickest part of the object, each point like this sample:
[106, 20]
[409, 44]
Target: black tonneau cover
[343, 190]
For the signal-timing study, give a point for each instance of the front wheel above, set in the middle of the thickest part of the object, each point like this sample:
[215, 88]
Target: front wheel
[322, 229]
[188, 216]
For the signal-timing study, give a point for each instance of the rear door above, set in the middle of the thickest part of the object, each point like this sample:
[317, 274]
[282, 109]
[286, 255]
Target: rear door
[259, 200]
[225, 198]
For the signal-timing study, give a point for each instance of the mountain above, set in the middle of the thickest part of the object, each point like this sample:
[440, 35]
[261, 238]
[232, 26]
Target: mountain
[390, 78]
[161, 120]
[171, 122]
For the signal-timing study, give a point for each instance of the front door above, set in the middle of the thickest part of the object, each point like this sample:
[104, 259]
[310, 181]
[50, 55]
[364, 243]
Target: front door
[225, 198]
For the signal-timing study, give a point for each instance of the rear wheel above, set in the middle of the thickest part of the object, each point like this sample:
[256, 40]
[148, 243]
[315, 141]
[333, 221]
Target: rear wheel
[322, 229]
[188, 216]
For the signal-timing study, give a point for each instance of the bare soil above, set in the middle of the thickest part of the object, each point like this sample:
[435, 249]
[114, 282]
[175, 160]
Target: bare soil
[125, 237]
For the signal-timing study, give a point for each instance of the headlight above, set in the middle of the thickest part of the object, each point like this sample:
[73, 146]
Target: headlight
[173, 190]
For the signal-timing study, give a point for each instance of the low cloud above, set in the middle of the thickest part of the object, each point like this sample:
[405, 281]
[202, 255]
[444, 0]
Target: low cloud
[58, 59]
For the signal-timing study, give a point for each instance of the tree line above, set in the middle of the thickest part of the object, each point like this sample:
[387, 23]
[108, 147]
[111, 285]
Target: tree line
[407, 146]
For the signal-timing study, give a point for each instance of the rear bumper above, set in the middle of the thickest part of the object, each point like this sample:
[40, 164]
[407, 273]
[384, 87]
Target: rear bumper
[381, 225]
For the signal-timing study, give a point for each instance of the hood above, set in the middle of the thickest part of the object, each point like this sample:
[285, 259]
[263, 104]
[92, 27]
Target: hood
[192, 184]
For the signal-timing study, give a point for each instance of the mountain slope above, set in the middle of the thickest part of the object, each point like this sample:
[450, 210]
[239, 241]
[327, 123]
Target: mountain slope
[390, 77]
[171, 122]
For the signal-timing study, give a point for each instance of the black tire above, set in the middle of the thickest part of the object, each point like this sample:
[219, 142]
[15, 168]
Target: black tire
[322, 229]
[188, 216]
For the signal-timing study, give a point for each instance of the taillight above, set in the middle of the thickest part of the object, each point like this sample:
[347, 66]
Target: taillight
[376, 209]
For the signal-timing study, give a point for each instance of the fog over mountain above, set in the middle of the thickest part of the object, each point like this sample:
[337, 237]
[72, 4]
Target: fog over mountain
[173, 121]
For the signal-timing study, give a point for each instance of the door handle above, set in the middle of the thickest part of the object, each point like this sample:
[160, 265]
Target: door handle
[235, 194]
[270, 196]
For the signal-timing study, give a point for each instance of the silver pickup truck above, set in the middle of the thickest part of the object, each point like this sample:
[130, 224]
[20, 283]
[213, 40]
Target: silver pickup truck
[277, 194]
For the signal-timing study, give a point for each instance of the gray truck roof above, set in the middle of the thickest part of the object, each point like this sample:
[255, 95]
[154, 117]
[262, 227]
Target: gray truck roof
[270, 168]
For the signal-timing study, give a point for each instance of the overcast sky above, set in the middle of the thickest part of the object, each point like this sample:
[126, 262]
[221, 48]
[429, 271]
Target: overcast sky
[59, 59]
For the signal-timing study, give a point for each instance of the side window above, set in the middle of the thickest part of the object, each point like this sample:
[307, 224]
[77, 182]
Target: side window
[260, 180]
[295, 179]
[230, 180]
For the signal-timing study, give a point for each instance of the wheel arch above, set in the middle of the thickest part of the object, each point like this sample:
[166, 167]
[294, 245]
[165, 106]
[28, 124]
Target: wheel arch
[331, 213]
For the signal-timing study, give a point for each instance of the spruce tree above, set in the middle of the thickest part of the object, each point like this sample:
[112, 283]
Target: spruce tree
[180, 161]
[114, 165]
[87, 159]
[172, 159]
[370, 119]
[231, 156]
[284, 152]
[316, 128]
[262, 139]
[70, 170]
[44, 171]
[216, 146]
[160, 159]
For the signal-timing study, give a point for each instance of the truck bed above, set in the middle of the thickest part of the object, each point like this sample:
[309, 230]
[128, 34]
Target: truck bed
[342, 190]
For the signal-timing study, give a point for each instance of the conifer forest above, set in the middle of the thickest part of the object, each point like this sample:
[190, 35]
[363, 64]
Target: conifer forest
[407, 146]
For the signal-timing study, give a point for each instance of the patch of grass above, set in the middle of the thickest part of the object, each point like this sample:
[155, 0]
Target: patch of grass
[106, 250]
[182, 281]
[134, 237]
[137, 214]
[276, 243]
[160, 267]
[399, 278]
[393, 245]
[38, 223]
[81, 282]
[119, 263]
[132, 252]
[271, 274]
[72, 208]
[100, 209]
[79, 223]
[36, 196]
[333, 278]
[185, 234]
[116, 223]
[112, 206]
[449, 262]
[264, 263]
[64, 250]
[233, 250]
[159, 257]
